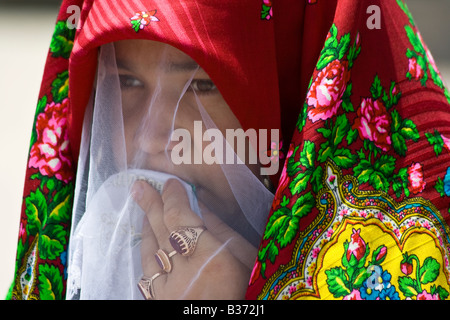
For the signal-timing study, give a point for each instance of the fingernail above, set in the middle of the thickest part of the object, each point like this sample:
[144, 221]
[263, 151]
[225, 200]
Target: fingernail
[137, 191]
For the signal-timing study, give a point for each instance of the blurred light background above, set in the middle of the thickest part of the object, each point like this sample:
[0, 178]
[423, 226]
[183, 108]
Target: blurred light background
[25, 31]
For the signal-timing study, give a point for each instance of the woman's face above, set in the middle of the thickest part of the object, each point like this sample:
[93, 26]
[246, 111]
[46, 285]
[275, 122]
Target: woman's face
[153, 77]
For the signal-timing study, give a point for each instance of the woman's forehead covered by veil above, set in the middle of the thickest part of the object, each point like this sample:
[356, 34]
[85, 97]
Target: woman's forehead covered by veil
[232, 44]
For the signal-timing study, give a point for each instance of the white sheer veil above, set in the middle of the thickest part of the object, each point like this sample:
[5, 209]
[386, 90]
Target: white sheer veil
[104, 251]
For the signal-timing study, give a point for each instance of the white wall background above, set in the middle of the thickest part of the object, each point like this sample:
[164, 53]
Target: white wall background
[24, 40]
[25, 35]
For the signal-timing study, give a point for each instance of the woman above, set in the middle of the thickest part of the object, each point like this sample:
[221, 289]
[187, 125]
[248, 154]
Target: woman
[172, 175]
[146, 93]
[361, 207]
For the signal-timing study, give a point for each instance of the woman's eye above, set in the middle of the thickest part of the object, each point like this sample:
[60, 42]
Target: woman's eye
[203, 86]
[127, 81]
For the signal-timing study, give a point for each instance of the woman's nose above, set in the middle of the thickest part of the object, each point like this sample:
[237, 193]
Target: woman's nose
[155, 131]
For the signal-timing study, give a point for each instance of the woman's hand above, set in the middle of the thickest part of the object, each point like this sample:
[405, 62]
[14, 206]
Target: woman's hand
[221, 264]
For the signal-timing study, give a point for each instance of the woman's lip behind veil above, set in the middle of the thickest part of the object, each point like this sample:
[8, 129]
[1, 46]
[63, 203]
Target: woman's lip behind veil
[162, 162]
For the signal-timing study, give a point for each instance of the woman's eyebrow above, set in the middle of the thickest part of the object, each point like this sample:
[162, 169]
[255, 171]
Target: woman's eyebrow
[182, 66]
[122, 64]
[171, 66]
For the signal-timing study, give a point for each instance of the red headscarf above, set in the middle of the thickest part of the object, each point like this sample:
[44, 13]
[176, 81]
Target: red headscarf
[231, 42]
[374, 117]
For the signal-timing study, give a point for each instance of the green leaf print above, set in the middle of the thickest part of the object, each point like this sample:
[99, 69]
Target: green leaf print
[62, 40]
[272, 251]
[303, 205]
[378, 174]
[52, 242]
[405, 9]
[332, 41]
[344, 158]
[400, 182]
[333, 48]
[308, 155]
[60, 87]
[50, 283]
[426, 273]
[293, 167]
[435, 139]
[399, 143]
[363, 170]
[439, 186]
[429, 271]
[62, 206]
[352, 136]
[385, 165]
[316, 179]
[337, 282]
[300, 182]
[283, 224]
[421, 55]
[264, 13]
[343, 46]
[310, 174]
[408, 286]
[42, 103]
[36, 211]
[414, 40]
[409, 130]
[443, 294]
[346, 102]
[335, 134]
[276, 222]
[340, 130]
[402, 130]
[376, 88]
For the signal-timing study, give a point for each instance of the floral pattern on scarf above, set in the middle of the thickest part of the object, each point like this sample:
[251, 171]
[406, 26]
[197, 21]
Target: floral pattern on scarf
[350, 211]
[45, 224]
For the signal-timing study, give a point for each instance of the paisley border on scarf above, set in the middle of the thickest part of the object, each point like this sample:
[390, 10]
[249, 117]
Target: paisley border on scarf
[315, 236]
[19, 293]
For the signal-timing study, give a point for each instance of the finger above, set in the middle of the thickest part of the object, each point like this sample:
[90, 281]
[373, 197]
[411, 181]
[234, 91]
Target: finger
[237, 244]
[177, 208]
[178, 213]
[149, 246]
[151, 203]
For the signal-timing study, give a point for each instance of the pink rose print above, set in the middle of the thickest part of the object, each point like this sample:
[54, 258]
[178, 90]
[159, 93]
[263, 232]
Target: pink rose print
[446, 142]
[22, 231]
[266, 12]
[50, 153]
[143, 19]
[373, 123]
[327, 89]
[354, 295]
[380, 254]
[415, 70]
[357, 246]
[275, 154]
[427, 296]
[428, 53]
[415, 178]
[406, 267]
[255, 273]
[283, 182]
